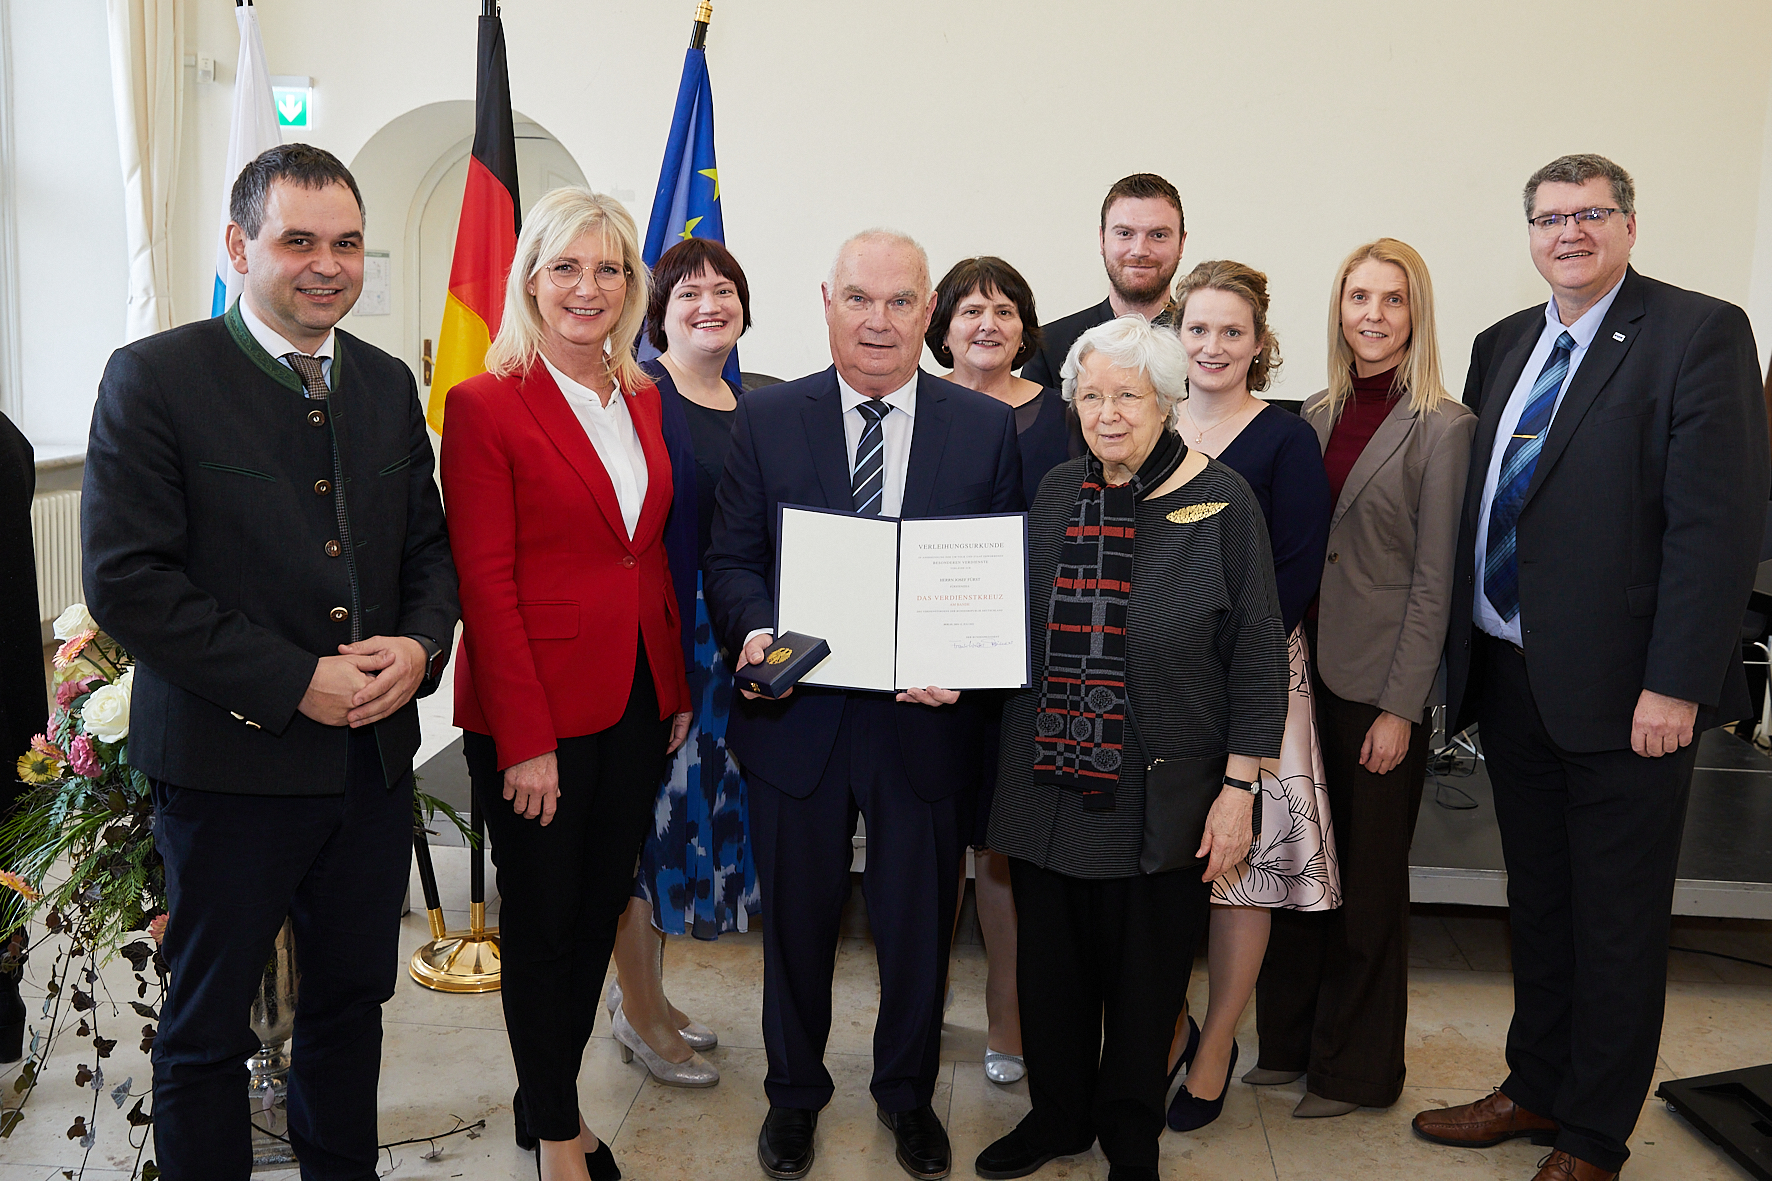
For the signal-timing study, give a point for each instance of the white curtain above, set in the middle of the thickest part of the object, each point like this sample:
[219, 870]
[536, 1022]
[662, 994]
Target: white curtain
[148, 82]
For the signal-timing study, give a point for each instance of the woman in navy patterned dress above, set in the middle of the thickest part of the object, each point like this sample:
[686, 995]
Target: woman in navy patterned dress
[695, 876]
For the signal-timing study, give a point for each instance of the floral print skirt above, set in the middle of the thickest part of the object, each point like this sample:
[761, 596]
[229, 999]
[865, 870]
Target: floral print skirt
[1293, 864]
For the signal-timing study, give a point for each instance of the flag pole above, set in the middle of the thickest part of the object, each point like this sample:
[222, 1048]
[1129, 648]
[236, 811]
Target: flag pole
[704, 14]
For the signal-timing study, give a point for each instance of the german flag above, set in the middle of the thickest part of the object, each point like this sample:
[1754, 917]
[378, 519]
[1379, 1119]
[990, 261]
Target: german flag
[486, 238]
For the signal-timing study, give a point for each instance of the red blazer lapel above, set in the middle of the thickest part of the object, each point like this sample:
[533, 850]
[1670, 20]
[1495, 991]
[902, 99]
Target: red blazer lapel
[561, 425]
[648, 415]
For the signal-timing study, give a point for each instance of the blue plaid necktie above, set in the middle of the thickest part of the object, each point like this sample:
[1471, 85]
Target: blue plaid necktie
[1501, 568]
[868, 483]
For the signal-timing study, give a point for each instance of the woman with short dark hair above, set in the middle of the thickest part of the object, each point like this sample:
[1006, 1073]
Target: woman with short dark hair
[696, 876]
[983, 328]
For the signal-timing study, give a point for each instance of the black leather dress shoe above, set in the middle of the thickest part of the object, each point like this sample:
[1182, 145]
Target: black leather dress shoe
[922, 1142]
[784, 1146]
[1018, 1155]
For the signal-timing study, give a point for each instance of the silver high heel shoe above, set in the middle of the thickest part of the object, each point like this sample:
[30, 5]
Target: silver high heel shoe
[697, 1072]
[699, 1036]
[1004, 1069]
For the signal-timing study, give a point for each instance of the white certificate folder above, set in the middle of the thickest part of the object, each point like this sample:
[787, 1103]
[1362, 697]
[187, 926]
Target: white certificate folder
[938, 601]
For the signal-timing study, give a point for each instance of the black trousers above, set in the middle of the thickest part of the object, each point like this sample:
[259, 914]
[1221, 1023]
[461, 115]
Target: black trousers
[803, 850]
[563, 888]
[1333, 997]
[1591, 843]
[236, 865]
[1102, 967]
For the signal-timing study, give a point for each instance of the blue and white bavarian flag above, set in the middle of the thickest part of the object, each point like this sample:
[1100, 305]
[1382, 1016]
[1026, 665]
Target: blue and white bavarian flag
[253, 132]
[687, 204]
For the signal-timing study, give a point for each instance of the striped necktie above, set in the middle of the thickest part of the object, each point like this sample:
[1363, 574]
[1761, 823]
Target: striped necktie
[1501, 566]
[868, 483]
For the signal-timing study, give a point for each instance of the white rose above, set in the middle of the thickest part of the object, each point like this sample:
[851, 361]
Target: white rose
[106, 713]
[73, 621]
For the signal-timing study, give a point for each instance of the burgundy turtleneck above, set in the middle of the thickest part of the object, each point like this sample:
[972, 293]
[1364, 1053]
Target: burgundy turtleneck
[1360, 415]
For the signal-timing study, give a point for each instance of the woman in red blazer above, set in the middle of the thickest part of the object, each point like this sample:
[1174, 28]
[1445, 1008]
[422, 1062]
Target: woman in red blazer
[570, 683]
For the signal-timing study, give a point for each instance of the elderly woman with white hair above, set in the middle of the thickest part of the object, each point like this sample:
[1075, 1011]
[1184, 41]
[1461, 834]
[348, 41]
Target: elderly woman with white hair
[570, 686]
[1125, 770]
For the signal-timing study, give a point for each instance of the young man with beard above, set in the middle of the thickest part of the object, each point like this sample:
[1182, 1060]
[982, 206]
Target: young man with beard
[1142, 232]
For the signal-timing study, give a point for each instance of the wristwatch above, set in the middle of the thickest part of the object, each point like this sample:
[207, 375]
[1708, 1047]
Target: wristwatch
[435, 654]
[1247, 785]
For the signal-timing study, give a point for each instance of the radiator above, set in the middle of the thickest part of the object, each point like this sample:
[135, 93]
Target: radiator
[55, 530]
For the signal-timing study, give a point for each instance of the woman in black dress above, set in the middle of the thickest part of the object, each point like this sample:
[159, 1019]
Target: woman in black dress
[983, 327]
[695, 876]
[1221, 315]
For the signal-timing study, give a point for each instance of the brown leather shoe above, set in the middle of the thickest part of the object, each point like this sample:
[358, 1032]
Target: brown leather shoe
[1560, 1166]
[1485, 1122]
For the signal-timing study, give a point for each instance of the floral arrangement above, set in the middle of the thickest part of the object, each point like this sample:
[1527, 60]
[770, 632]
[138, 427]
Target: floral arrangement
[88, 820]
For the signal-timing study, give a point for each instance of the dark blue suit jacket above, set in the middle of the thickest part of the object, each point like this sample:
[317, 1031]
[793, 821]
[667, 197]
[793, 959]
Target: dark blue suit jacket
[1641, 528]
[788, 447]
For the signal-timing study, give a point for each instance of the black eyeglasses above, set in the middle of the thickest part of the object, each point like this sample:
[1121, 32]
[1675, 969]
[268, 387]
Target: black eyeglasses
[1556, 221]
[566, 274]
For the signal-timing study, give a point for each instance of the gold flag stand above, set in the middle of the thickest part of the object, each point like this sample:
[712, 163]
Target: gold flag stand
[457, 961]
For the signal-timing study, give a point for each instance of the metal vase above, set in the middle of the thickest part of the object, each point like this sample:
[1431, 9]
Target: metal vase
[273, 1014]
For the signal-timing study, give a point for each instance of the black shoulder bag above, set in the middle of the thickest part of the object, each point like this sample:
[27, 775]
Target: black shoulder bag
[1178, 793]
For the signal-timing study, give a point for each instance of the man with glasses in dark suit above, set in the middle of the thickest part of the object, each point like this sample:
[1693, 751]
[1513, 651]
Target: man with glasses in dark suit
[1610, 534]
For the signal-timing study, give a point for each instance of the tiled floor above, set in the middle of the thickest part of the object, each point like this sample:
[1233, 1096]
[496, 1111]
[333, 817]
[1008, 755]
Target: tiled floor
[446, 1057]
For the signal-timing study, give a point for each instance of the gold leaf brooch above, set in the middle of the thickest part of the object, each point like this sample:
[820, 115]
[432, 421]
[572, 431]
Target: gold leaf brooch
[1190, 513]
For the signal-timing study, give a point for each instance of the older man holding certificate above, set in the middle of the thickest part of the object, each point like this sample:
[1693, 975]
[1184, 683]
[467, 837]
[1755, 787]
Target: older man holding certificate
[874, 436]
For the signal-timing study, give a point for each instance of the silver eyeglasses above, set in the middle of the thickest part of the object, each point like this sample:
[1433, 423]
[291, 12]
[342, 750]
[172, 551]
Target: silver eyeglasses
[1556, 221]
[565, 274]
[1125, 400]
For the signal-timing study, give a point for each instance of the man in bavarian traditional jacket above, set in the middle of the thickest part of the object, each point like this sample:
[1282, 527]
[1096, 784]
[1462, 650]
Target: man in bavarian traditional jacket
[263, 534]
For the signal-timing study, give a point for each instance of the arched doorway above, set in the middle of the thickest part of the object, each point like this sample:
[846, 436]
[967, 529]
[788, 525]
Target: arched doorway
[412, 173]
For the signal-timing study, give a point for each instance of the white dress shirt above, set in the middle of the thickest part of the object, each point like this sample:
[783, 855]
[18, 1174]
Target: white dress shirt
[273, 343]
[611, 431]
[895, 441]
[1582, 331]
[895, 430]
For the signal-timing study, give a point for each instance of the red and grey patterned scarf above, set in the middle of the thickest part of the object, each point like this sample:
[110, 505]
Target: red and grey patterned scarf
[1079, 729]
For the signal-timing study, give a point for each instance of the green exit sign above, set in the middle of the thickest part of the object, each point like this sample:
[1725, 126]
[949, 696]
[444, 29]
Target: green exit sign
[293, 96]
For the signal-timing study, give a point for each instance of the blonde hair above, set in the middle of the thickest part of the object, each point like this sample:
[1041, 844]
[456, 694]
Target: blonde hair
[1418, 373]
[1251, 285]
[558, 220]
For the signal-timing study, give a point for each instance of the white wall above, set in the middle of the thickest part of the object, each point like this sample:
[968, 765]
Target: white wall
[72, 253]
[1294, 130]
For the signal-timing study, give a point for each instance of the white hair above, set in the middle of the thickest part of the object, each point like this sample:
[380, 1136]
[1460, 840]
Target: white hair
[1132, 342]
[879, 234]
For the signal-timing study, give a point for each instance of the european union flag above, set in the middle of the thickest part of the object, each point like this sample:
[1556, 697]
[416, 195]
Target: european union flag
[687, 204]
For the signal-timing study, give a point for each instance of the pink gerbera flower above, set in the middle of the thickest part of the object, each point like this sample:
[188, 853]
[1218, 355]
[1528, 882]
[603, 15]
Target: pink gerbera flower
[65, 655]
[18, 885]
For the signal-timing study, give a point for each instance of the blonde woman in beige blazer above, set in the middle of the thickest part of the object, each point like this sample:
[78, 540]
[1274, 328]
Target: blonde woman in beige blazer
[1333, 993]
